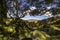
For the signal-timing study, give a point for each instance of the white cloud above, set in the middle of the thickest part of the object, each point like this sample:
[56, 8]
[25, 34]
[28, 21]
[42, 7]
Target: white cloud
[48, 14]
[48, 7]
[32, 8]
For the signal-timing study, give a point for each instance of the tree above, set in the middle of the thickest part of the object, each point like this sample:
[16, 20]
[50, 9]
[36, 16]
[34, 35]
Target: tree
[15, 28]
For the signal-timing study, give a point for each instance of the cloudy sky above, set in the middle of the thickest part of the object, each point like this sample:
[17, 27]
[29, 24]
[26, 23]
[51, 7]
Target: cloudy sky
[37, 17]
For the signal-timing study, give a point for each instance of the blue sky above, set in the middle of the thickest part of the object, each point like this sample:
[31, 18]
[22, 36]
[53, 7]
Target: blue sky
[37, 17]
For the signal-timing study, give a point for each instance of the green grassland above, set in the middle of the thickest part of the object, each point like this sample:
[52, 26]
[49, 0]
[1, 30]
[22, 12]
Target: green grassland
[48, 29]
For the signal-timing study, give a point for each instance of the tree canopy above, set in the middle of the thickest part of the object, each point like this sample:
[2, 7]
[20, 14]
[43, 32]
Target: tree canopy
[14, 28]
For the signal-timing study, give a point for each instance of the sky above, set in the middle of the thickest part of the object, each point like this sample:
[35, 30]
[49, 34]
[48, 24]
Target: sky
[37, 17]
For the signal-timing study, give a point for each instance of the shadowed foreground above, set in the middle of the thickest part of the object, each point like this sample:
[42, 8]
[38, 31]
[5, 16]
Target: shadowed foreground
[48, 29]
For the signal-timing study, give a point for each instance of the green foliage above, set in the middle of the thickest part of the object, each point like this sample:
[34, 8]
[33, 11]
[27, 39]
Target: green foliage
[48, 1]
[16, 29]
